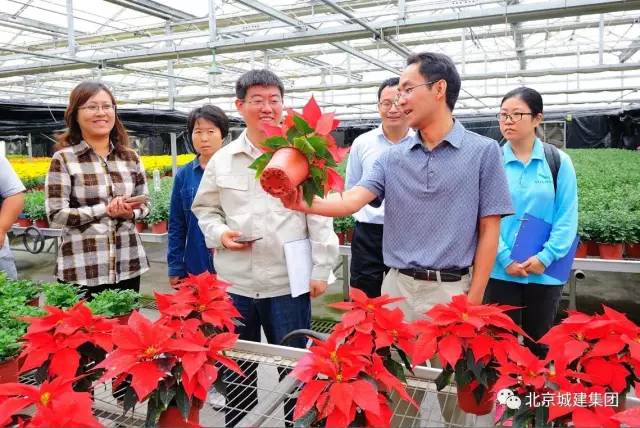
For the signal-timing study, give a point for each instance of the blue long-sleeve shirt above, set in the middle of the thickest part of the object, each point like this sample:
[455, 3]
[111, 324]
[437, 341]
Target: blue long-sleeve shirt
[187, 251]
[531, 187]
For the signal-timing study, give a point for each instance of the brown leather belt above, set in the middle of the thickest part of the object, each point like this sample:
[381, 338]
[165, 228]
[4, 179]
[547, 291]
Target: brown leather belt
[446, 275]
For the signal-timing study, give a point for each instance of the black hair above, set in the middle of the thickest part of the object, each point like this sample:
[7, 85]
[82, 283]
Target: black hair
[211, 113]
[436, 66]
[530, 97]
[392, 81]
[260, 77]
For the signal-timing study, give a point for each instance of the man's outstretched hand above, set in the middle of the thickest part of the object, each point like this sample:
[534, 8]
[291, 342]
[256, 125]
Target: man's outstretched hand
[294, 201]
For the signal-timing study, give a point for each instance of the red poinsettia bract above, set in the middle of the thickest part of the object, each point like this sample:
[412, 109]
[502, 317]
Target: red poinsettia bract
[337, 397]
[320, 147]
[202, 296]
[140, 351]
[199, 354]
[455, 327]
[58, 335]
[56, 404]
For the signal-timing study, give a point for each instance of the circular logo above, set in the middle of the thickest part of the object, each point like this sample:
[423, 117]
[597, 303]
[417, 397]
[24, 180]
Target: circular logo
[513, 402]
[503, 394]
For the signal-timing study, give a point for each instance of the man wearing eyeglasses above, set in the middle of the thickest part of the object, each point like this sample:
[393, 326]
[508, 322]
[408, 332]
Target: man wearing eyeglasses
[367, 264]
[445, 191]
[248, 229]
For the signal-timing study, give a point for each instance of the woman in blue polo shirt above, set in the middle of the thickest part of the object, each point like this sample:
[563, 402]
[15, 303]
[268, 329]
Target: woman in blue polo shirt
[187, 252]
[532, 192]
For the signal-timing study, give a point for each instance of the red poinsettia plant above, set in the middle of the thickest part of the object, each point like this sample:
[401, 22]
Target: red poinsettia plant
[349, 377]
[469, 341]
[56, 405]
[66, 343]
[175, 360]
[601, 354]
[301, 152]
[523, 375]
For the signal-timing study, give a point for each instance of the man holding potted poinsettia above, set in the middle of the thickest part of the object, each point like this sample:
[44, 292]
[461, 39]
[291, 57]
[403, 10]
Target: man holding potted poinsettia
[248, 229]
[445, 191]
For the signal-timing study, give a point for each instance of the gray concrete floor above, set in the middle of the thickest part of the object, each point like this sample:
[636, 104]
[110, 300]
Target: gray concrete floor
[620, 291]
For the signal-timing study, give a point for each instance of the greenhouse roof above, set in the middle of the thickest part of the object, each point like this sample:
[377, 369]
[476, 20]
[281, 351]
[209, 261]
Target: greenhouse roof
[576, 53]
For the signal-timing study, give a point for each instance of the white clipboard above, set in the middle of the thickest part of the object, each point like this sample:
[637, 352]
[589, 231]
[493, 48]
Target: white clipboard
[297, 255]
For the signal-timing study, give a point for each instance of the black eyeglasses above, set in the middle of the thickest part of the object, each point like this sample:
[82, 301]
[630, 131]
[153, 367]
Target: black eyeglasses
[514, 117]
[404, 93]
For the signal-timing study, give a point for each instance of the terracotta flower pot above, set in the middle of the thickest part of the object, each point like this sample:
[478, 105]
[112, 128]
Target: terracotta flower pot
[611, 251]
[172, 418]
[42, 223]
[24, 222]
[140, 226]
[9, 370]
[342, 237]
[581, 251]
[122, 319]
[349, 237]
[285, 171]
[592, 248]
[160, 227]
[633, 250]
[467, 400]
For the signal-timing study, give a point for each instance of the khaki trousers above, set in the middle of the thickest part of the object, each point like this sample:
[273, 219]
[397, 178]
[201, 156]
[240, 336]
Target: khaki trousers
[420, 296]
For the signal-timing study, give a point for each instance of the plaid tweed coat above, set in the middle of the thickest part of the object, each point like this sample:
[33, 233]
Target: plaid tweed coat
[95, 249]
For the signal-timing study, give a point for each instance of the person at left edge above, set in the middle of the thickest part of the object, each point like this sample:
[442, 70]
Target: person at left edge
[187, 252]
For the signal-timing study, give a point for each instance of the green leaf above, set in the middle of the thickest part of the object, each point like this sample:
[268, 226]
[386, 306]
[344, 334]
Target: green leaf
[182, 401]
[477, 368]
[319, 144]
[462, 375]
[165, 394]
[293, 133]
[404, 358]
[443, 379]
[307, 419]
[220, 386]
[395, 368]
[541, 416]
[302, 125]
[153, 411]
[276, 142]
[308, 191]
[303, 145]
[129, 399]
[260, 163]
[479, 392]
[317, 174]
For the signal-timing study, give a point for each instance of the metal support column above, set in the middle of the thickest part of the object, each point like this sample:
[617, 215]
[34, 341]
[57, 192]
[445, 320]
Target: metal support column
[170, 79]
[174, 154]
[71, 37]
[601, 40]
[29, 146]
[213, 30]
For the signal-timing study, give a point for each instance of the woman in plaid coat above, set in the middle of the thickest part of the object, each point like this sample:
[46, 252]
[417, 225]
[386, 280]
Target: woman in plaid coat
[96, 189]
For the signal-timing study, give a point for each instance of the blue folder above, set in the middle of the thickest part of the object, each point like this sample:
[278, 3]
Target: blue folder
[532, 235]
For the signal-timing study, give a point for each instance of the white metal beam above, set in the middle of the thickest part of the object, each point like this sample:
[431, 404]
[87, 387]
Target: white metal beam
[153, 8]
[469, 18]
[302, 26]
[377, 34]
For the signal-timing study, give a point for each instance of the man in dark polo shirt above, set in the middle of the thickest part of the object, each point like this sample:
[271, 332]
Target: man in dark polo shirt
[445, 192]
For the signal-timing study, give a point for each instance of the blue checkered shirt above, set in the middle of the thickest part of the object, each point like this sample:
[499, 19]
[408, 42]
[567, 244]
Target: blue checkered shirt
[434, 199]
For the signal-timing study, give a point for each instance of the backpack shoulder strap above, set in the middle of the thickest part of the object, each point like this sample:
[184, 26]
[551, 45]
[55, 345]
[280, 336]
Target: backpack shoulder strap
[552, 156]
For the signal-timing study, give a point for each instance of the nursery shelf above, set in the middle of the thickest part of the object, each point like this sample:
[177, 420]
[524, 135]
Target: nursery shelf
[268, 410]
